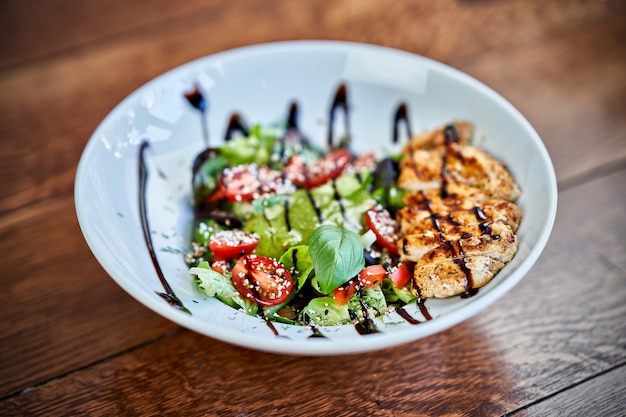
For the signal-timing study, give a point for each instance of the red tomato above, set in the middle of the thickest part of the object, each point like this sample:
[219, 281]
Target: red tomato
[220, 265]
[401, 275]
[372, 276]
[367, 278]
[378, 220]
[262, 280]
[365, 162]
[250, 181]
[230, 244]
[344, 292]
[328, 167]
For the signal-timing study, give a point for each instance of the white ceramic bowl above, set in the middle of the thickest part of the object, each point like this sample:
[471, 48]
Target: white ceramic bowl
[259, 82]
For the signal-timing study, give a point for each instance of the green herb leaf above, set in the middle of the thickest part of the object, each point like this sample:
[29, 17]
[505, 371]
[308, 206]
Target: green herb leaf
[337, 255]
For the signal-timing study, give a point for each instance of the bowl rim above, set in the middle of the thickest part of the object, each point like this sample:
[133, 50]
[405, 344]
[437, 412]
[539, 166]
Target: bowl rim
[322, 347]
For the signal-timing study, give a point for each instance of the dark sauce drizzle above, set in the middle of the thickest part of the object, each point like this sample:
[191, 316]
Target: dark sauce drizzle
[484, 225]
[168, 295]
[318, 211]
[340, 101]
[271, 326]
[292, 117]
[236, 124]
[451, 136]
[287, 222]
[363, 327]
[199, 102]
[406, 316]
[342, 208]
[401, 116]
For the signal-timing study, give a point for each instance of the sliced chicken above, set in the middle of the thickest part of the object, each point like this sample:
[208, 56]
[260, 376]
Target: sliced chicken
[454, 163]
[457, 213]
[458, 227]
[450, 278]
[437, 138]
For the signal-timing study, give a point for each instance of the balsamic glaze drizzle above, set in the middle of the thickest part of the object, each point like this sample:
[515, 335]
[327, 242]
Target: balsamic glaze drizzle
[236, 124]
[401, 116]
[286, 210]
[406, 316]
[342, 208]
[168, 295]
[271, 326]
[340, 101]
[421, 304]
[199, 102]
[292, 117]
[318, 211]
[451, 136]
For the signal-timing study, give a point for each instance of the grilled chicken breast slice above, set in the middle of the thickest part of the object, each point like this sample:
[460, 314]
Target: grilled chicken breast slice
[497, 240]
[428, 169]
[416, 220]
[449, 278]
[436, 138]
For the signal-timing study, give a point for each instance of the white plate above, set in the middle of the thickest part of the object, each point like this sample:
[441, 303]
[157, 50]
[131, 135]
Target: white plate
[259, 82]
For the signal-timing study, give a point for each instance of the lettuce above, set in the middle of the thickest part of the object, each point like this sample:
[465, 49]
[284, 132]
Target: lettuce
[214, 284]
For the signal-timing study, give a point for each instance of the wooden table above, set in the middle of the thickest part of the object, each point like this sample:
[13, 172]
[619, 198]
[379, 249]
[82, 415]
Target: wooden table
[73, 343]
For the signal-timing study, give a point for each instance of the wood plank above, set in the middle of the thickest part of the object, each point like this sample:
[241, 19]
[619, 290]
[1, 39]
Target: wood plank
[75, 90]
[30, 31]
[64, 311]
[562, 324]
[591, 398]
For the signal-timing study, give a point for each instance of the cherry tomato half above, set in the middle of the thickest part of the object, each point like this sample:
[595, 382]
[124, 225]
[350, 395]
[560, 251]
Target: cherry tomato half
[400, 276]
[328, 167]
[262, 280]
[368, 278]
[365, 162]
[220, 265]
[230, 244]
[378, 220]
[250, 181]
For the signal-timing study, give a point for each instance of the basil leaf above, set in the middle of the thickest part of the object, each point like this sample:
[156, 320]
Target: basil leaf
[337, 256]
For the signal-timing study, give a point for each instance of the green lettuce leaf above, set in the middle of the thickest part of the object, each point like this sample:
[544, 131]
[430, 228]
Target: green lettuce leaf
[255, 148]
[214, 284]
[303, 267]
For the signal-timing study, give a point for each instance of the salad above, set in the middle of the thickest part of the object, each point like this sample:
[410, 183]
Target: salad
[296, 235]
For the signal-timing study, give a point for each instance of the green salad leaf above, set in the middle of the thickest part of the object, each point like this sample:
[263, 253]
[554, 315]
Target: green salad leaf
[254, 148]
[337, 255]
[394, 294]
[303, 266]
[324, 311]
[214, 284]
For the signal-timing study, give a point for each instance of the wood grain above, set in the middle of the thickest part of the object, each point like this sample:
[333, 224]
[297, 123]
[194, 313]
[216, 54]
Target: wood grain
[587, 399]
[51, 284]
[73, 342]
